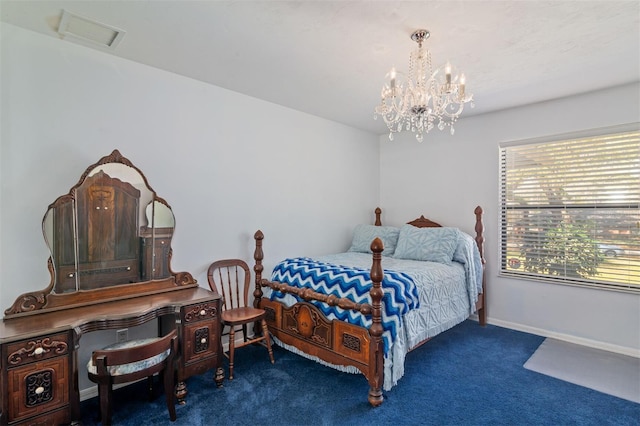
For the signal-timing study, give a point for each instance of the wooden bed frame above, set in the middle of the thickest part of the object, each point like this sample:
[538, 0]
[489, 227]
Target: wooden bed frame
[304, 327]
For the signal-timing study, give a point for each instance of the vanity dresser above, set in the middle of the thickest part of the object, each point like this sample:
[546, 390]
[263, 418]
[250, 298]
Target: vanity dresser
[110, 242]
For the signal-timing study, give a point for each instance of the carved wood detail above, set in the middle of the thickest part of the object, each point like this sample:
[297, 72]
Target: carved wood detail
[308, 322]
[270, 314]
[351, 342]
[202, 339]
[39, 387]
[308, 294]
[182, 278]
[27, 302]
[37, 349]
[378, 212]
[423, 222]
[200, 312]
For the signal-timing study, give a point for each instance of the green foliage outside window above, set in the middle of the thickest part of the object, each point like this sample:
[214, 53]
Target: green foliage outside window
[565, 251]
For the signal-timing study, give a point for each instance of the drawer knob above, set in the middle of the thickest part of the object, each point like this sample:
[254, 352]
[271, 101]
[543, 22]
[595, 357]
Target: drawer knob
[38, 351]
[39, 390]
[203, 313]
[203, 340]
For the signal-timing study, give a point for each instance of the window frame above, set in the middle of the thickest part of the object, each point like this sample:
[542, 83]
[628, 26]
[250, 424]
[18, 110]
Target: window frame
[503, 209]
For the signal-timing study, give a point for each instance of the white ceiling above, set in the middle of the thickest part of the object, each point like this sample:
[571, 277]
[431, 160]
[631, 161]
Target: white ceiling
[329, 58]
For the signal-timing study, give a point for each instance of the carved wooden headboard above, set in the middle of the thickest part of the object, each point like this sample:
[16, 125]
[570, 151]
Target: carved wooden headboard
[423, 222]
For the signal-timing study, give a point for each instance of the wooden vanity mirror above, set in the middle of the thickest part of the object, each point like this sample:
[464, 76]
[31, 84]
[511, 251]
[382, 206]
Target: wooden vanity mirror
[110, 239]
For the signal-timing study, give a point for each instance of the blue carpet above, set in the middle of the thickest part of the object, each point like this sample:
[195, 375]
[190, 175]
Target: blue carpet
[469, 375]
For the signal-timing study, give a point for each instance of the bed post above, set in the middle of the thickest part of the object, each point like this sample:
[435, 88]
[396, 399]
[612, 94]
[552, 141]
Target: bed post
[482, 313]
[376, 366]
[378, 212]
[258, 255]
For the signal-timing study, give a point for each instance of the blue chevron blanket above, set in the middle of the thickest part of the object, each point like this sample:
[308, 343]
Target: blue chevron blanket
[400, 292]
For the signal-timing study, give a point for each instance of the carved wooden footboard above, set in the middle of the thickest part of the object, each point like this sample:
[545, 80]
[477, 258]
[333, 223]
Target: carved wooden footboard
[305, 327]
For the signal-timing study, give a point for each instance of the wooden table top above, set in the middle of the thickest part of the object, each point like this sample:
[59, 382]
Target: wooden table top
[106, 315]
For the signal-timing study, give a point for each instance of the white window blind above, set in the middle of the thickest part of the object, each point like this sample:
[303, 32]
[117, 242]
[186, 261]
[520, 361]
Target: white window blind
[570, 209]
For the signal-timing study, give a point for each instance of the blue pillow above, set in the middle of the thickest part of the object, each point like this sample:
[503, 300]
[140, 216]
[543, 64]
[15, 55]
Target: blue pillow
[427, 244]
[363, 235]
[464, 250]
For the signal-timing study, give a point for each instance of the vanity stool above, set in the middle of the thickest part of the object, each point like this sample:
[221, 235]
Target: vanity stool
[133, 360]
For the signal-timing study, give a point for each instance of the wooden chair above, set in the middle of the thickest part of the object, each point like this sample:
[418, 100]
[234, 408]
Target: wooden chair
[133, 360]
[233, 277]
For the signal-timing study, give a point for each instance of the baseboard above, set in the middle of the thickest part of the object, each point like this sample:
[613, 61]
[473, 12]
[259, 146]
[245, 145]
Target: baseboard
[567, 338]
[88, 393]
[239, 341]
[92, 391]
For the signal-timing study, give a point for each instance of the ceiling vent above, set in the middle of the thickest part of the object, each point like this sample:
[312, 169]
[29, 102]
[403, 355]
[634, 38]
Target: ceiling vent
[88, 31]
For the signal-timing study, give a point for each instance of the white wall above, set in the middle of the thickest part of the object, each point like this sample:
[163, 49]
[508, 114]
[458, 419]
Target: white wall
[446, 176]
[228, 164]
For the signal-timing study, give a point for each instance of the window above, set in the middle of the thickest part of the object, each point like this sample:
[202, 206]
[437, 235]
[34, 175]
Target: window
[570, 208]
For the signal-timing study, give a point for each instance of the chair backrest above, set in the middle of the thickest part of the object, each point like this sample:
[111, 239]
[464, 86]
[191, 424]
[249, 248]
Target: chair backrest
[105, 358]
[233, 278]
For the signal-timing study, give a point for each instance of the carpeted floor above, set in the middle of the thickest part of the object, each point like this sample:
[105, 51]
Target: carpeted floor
[608, 372]
[469, 375]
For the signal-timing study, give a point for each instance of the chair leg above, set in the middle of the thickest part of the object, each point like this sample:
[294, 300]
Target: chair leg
[267, 340]
[232, 339]
[167, 375]
[150, 386]
[105, 393]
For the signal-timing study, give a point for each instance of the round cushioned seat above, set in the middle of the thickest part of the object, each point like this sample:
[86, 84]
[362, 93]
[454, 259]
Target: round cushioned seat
[116, 370]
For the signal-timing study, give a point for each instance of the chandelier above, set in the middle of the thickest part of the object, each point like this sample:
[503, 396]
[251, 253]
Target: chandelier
[426, 98]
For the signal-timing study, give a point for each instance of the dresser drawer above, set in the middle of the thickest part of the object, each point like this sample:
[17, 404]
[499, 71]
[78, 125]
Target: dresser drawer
[38, 388]
[200, 341]
[51, 418]
[200, 367]
[200, 312]
[36, 349]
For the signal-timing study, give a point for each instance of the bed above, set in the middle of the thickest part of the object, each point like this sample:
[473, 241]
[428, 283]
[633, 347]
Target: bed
[347, 312]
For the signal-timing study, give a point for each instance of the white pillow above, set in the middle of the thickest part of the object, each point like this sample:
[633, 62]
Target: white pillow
[363, 235]
[427, 244]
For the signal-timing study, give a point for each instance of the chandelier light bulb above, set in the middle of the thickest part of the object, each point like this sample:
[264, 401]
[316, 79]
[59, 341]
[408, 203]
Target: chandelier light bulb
[425, 98]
